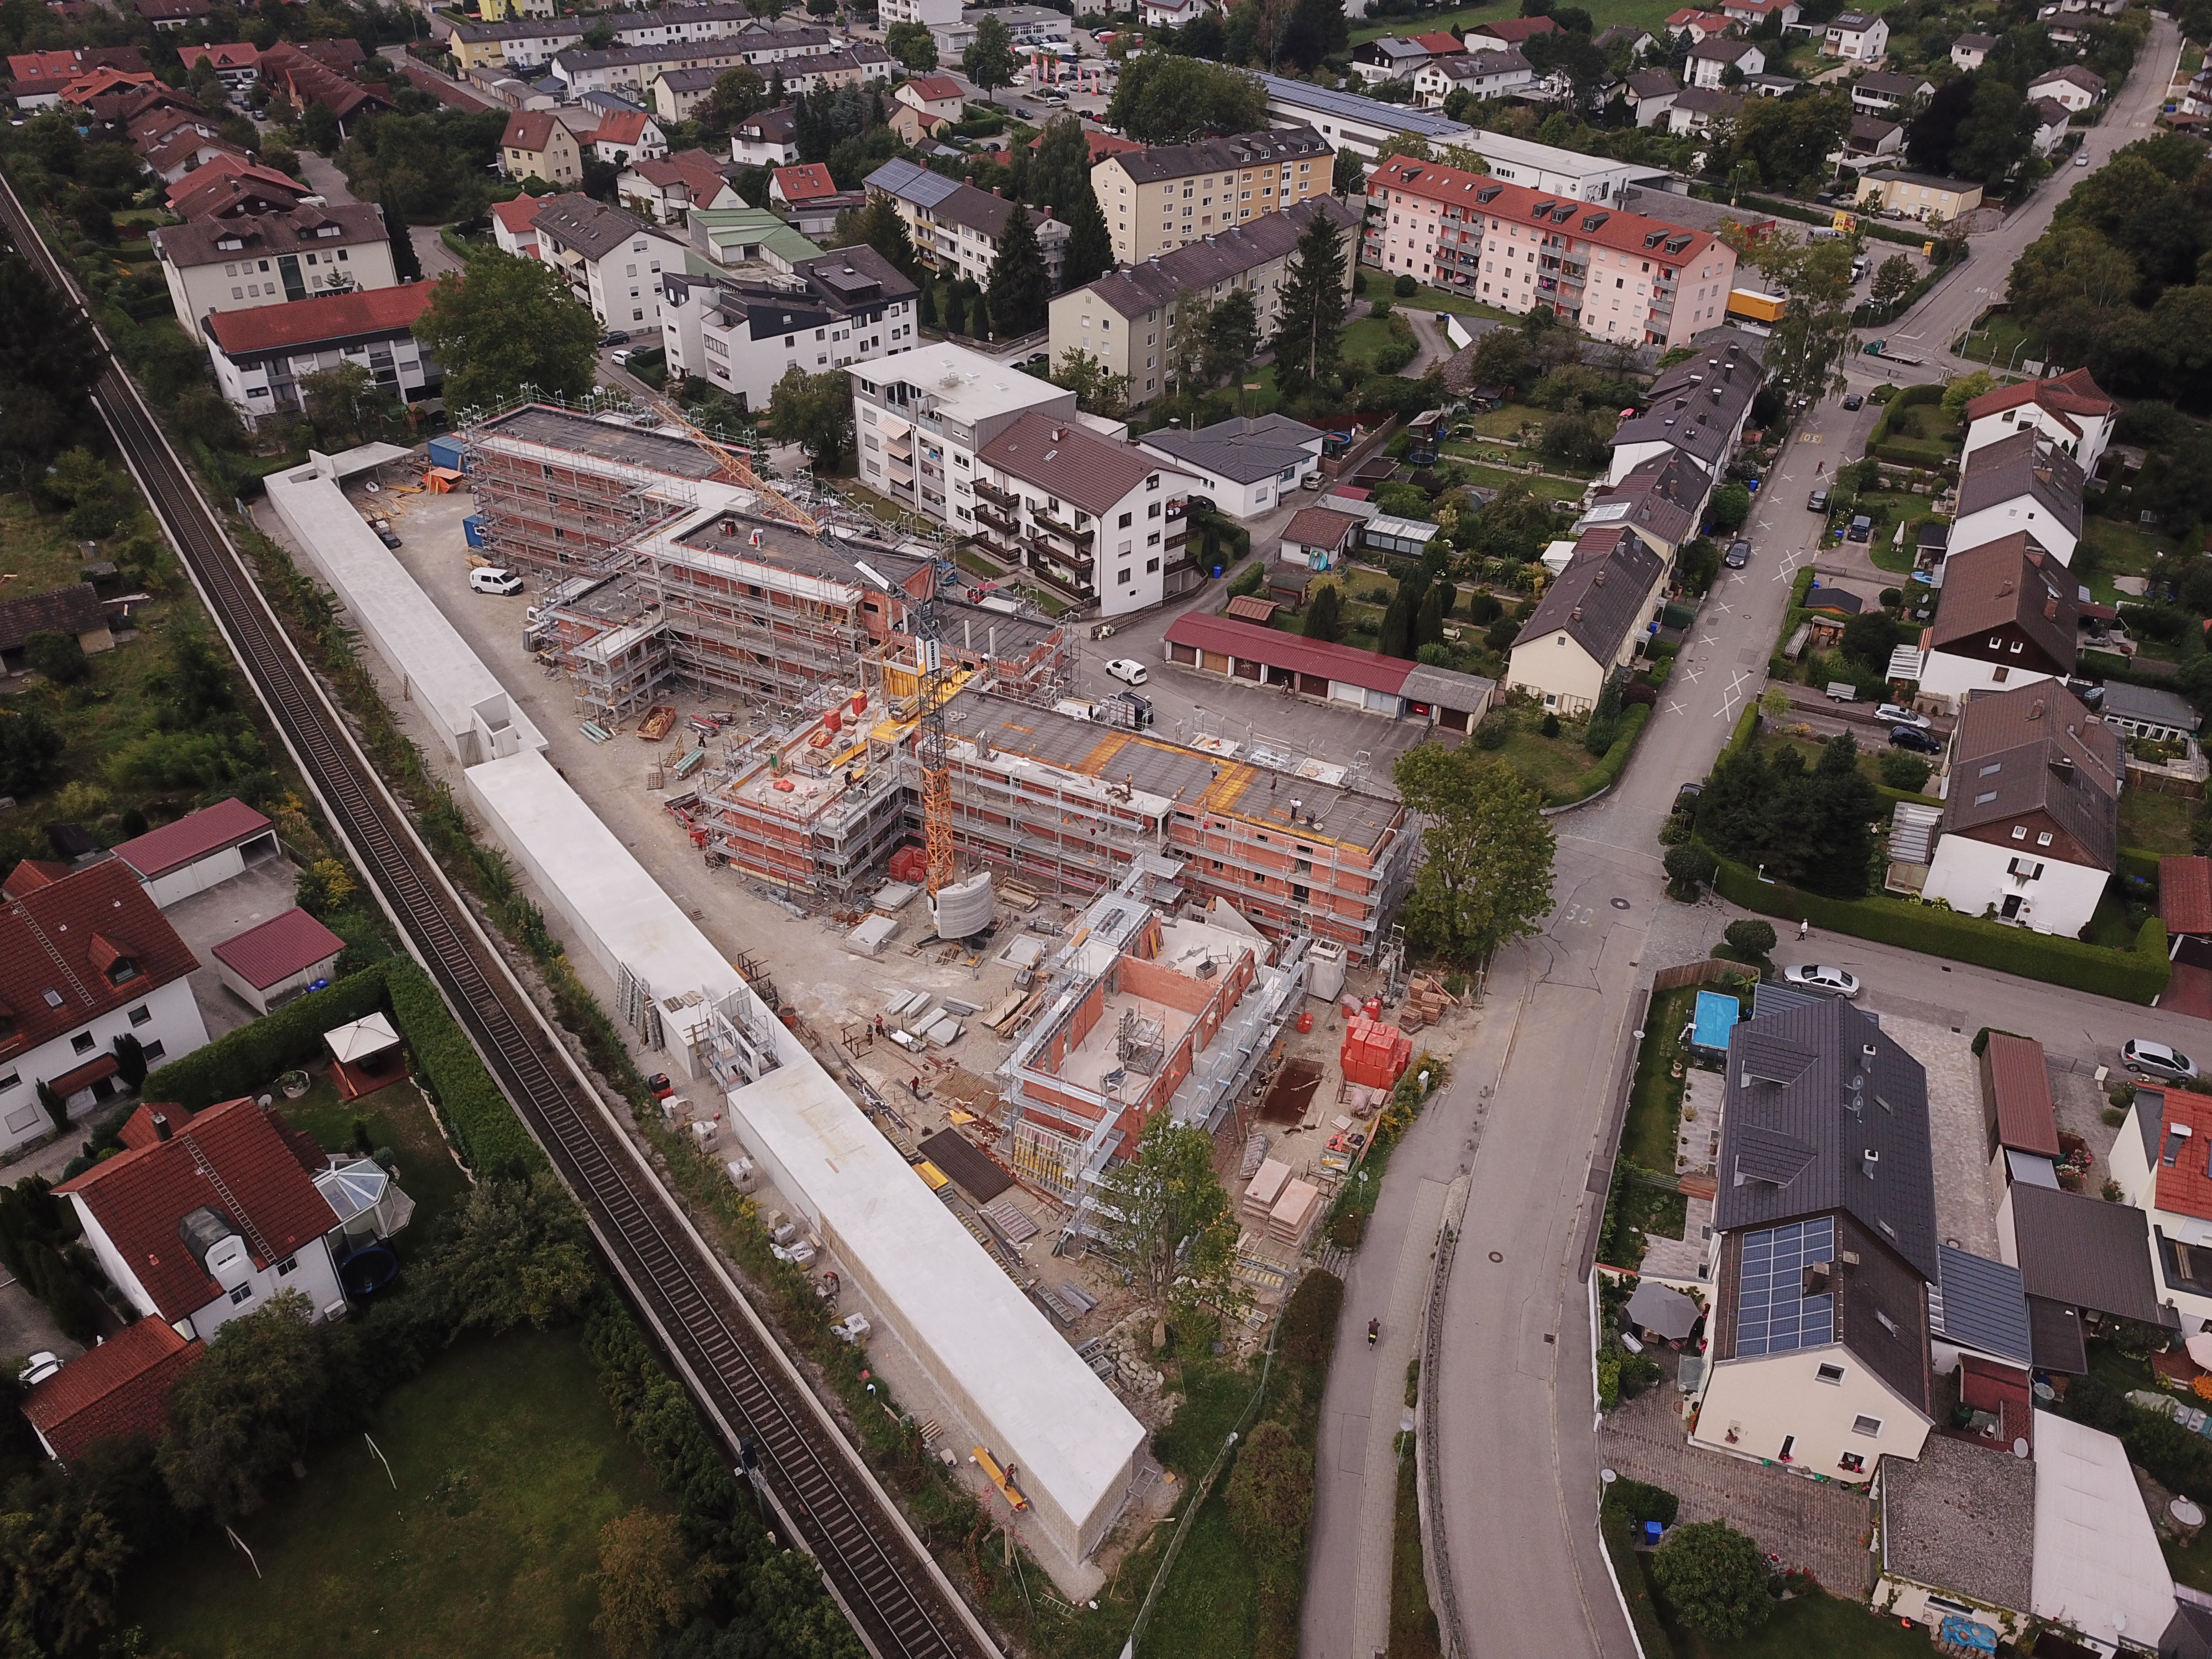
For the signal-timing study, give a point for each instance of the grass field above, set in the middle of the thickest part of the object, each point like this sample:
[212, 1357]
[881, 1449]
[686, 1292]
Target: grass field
[2153, 822]
[2120, 549]
[1414, 1631]
[1210, 1604]
[1822, 1625]
[1654, 1099]
[507, 1462]
[397, 1117]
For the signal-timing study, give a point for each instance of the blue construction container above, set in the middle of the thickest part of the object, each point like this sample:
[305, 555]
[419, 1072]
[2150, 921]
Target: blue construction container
[447, 452]
[472, 527]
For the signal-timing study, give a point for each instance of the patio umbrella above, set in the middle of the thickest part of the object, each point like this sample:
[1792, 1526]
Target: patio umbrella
[2200, 1349]
[1667, 1314]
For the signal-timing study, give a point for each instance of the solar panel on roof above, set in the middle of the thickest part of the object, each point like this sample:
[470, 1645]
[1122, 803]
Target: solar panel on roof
[1774, 1313]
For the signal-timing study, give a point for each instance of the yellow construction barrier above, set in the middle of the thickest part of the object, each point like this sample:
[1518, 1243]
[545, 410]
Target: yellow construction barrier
[1002, 1478]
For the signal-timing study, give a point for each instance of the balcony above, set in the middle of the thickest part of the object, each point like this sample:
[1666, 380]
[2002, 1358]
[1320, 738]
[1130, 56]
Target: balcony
[1080, 540]
[1042, 552]
[991, 492]
[995, 516]
[1076, 587]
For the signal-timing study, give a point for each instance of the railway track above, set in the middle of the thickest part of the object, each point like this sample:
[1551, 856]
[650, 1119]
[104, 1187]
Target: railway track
[898, 1602]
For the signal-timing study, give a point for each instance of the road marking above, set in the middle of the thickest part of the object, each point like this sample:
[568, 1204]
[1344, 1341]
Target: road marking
[1810, 438]
[1673, 707]
[1697, 673]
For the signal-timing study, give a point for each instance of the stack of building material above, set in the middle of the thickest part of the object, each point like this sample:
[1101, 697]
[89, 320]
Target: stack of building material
[1256, 1153]
[1294, 1212]
[1425, 1002]
[1266, 1187]
[1374, 1054]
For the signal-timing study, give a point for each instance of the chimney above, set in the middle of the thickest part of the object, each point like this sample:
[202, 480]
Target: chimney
[2036, 713]
[1872, 1162]
[1576, 615]
[161, 1131]
[1599, 580]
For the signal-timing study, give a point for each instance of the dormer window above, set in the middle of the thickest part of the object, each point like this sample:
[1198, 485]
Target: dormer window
[117, 962]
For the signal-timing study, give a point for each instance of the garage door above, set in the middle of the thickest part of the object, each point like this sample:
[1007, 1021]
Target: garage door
[1214, 661]
[1181, 653]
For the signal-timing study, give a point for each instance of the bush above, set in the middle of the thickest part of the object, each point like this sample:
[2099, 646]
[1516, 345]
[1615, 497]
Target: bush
[1715, 1579]
[250, 1058]
[1751, 940]
[1900, 769]
[483, 1125]
[1602, 775]
[1550, 728]
[1250, 580]
[58, 657]
[1641, 1502]
[1405, 288]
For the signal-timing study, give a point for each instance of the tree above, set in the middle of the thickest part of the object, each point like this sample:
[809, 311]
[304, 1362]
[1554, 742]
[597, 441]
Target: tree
[1689, 867]
[1165, 99]
[1805, 826]
[318, 128]
[1731, 506]
[881, 228]
[345, 405]
[1485, 875]
[1270, 1495]
[814, 411]
[1232, 335]
[249, 1408]
[1750, 938]
[1314, 30]
[1324, 616]
[1436, 605]
[405, 264]
[648, 1586]
[1395, 638]
[1060, 167]
[504, 322]
[1871, 636]
[1089, 252]
[1168, 1221]
[57, 657]
[130, 1059]
[1189, 354]
[1958, 393]
[913, 45]
[1815, 331]
[1309, 339]
[1893, 279]
[989, 59]
[1715, 1579]
[30, 752]
[517, 1254]
[49, 362]
[63, 1562]
[1021, 286]
[739, 92]
[1349, 176]
[1097, 389]
[1501, 358]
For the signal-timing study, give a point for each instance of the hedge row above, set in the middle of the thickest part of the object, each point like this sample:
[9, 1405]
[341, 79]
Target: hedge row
[1603, 774]
[482, 1125]
[2136, 975]
[252, 1058]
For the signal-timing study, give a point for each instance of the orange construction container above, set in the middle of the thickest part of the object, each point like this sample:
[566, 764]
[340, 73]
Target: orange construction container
[1373, 1053]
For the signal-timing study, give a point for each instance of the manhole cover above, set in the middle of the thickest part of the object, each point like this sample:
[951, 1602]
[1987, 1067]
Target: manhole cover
[1498, 1255]
[1620, 904]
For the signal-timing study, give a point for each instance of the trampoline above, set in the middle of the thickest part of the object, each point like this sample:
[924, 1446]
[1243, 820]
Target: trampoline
[365, 1272]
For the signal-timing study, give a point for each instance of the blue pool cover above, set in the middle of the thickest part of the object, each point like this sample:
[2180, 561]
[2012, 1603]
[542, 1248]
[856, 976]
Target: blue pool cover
[1716, 1017]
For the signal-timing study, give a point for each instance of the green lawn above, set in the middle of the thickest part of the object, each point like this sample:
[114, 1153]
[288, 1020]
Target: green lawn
[1823, 1625]
[1209, 1608]
[2118, 550]
[1550, 766]
[1414, 1631]
[1654, 1099]
[2154, 823]
[397, 1117]
[507, 1462]
[1997, 342]
[36, 554]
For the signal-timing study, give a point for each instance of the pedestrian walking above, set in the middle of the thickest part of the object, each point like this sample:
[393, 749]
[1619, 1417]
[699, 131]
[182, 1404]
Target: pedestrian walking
[1803, 928]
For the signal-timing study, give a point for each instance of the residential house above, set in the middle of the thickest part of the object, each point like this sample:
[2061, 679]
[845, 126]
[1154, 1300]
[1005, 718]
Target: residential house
[1698, 408]
[2068, 84]
[954, 227]
[612, 259]
[1156, 200]
[225, 187]
[1971, 51]
[2163, 1163]
[1348, 121]
[312, 73]
[85, 958]
[1872, 140]
[1955, 1534]
[166, 15]
[538, 145]
[2031, 812]
[116, 1392]
[767, 139]
[1649, 94]
[74, 610]
[1751, 13]
[183, 150]
[1506, 33]
[1661, 502]
[791, 186]
[915, 128]
[1171, 14]
[1771, 84]
[514, 225]
[1124, 318]
[271, 258]
[1319, 538]
[1711, 61]
[743, 336]
[1699, 25]
[212, 1217]
[2149, 711]
[2070, 409]
[37, 79]
[1858, 37]
[784, 52]
[1697, 110]
[1397, 58]
[2023, 483]
[859, 63]
[1918, 195]
[924, 416]
[680, 95]
[1639, 42]
[1617, 275]
[624, 136]
[666, 191]
[1882, 93]
[237, 64]
[263, 355]
[930, 14]
[938, 96]
[1245, 465]
[1481, 75]
[1825, 1247]
[1590, 622]
[2052, 119]
[2005, 616]
[2086, 1266]
[200, 850]
[1098, 518]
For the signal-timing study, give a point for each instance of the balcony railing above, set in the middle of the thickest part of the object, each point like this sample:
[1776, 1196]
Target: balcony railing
[991, 492]
[1044, 552]
[1075, 587]
[996, 516]
[1078, 540]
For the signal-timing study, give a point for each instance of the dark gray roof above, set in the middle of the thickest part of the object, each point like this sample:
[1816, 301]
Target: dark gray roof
[2081, 1253]
[1961, 1519]
[1975, 42]
[2147, 704]
[2025, 465]
[1698, 405]
[2006, 582]
[1980, 1306]
[838, 285]
[2055, 1333]
[2035, 750]
[1661, 497]
[1884, 84]
[1653, 83]
[1219, 154]
[593, 228]
[1447, 688]
[1773, 996]
[1605, 36]
[71, 610]
[1600, 598]
[1218, 259]
[265, 235]
[1790, 1079]
[1244, 449]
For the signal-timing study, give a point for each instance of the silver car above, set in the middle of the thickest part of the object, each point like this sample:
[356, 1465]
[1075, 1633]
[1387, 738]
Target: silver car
[2158, 1059]
[1813, 977]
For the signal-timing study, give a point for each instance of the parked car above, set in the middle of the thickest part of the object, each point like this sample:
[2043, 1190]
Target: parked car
[614, 337]
[2148, 1058]
[621, 359]
[1040, 356]
[1817, 502]
[1739, 555]
[1896, 713]
[1127, 670]
[1854, 401]
[1815, 976]
[1912, 738]
[2082, 159]
[490, 578]
[1862, 529]
[1686, 798]
[386, 533]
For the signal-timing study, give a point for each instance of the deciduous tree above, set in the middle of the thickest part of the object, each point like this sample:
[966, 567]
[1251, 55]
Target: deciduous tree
[504, 322]
[913, 45]
[814, 411]
[1715, 1579]
[989, 59]
[1167, 1220]
[1097, 389]
[518, 1254]
[1165, 99]
[1271, 1493]
[648, 1584]
[1485, 876]
[249, 1409]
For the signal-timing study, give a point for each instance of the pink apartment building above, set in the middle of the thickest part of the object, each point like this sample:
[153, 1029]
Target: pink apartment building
[1618, 276]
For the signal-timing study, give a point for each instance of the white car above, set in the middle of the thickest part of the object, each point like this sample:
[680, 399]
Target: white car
[1812, 976]
[492, 580]
[621, 358]
[1896, 713]
[2158, 1059]
[2081, 160]
[1127, 670]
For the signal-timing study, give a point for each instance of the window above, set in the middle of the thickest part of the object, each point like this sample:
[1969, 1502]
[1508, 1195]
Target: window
[1866, 1426]
[1789, 1445]
[243, 1293]
[81, 1043]
[2043, 839]
[1151, 565]
[141, 1014]
[2019, 832]
[1830, 1374]
[1852, 1463]
[12, 1080]
[154, 1051]
[288, 1265]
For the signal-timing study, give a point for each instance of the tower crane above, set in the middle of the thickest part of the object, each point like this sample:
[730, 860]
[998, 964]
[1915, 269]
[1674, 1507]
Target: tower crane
[935, 690]
[739, 469]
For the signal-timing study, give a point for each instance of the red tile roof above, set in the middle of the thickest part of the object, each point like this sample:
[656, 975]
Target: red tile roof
[221, 167]
[530, 129]
[2184, 895]
[1247, 643]
[196, 834]
[138, 1129]
[140, 1196]
[32, 874]
[805, 182]
[275, 950]
[2076, 392]
[1584, 221]
[937, 88]
[520, 215]
[238, 54]
[330, 317]
[2184, 1186]
[622, 126]
[1441, 41]
[50, 937]
[41, 66]
[116, 1392]
[2019, 1088]
[1514, 30]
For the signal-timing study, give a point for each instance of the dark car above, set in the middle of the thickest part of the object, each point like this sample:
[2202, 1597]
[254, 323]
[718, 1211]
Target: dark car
[1912, 738]
[1854, 401]
[1686, 798]
[1739, 555]
[1817, 502]
[615, 337]
[1862, 529]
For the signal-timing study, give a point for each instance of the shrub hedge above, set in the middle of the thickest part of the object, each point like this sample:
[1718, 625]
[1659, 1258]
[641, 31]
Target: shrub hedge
[2136, 975]
[250, 1058]
[1602, 775]
[482, 1125]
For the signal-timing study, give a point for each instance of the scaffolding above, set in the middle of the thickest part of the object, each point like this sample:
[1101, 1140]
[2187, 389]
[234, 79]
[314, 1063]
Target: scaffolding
[553, 512]
[741, 626]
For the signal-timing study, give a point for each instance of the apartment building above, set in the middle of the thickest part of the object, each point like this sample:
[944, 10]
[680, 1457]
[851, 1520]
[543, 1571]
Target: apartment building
[924, 416]
[1350, 122]
[261, 354]
[930, 14]
[744, 336]
[955, 228]
[1159, 199]
[1123, 318]
[528, 42]
[612, 259]
[666, 190]
[1617, 275]
[270, 259]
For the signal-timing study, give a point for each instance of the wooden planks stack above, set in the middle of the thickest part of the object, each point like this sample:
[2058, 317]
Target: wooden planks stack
[1268, 1184]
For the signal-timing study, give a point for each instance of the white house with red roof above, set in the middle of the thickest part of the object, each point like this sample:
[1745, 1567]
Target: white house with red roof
[806, 182]
[1506, 34]
[199, 851]
[212, 1216]
[629, 135]
[237, 63]
[117, 1391]
[1699, 25]
[514, 225]
[262, 355]
[666, 191]
[2163, 1163]
[85, 958]
[932, 95]
[2070, 409]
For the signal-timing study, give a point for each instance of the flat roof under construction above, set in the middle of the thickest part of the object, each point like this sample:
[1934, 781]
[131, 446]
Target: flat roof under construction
[1155, 766]
[609, 441]
[828, 558]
